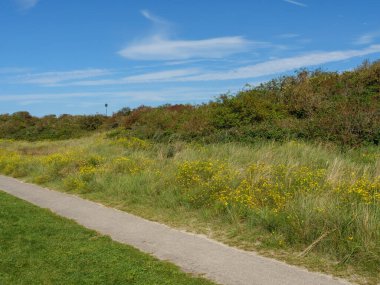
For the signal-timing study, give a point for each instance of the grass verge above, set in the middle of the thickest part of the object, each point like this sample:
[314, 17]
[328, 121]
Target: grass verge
[38, 247]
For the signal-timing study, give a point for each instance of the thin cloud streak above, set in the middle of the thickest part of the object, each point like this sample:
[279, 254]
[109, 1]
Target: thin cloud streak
[153, 18]
[257, 70]
[159, 48]
[276, 66]
[157, 95]
[296, 3]
[54, 78]
[266, 68]
[367, 38]
[159, 76]
[26, 4]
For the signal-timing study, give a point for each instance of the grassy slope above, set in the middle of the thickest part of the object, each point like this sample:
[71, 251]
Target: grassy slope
[38, 247]
[153, 191]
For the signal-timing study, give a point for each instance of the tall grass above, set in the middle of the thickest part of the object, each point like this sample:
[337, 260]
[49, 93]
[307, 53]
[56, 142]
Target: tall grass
[298, 200]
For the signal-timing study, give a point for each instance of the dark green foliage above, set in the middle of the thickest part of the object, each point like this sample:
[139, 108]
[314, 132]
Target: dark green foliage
[23, 126]
[327, 106]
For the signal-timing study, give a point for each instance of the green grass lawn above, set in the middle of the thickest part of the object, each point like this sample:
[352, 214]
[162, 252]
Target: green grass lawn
[38, 247]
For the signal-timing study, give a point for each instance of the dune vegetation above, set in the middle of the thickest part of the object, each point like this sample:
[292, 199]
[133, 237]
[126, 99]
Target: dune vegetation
[309, 204]
[340, 108]
[290, 168]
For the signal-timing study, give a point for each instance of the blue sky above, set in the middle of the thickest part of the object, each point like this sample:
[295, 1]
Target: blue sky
[71, 56]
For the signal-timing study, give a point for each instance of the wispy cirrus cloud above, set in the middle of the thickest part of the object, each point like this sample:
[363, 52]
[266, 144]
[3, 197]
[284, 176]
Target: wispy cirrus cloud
[276, 66]
[266, 68]
[161, 75]
[26, 4]
[155, 19]
[160, 46]
[295, 3]
[158, 76]
[57, 77]
[103, 77]
[367, 38]
[179, 94]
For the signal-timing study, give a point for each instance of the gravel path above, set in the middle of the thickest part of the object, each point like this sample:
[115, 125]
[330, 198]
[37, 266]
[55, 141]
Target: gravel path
[193, 253]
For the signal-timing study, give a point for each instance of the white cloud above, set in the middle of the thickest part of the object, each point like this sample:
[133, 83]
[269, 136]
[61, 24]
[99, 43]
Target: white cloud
[153, 18]
[296, 3]
[158, 48]
[26, 4]
[182, 94]
[53, 78]
[270, 67]
[367, 38]
[159, 76]
[276, 66]
[285, 64]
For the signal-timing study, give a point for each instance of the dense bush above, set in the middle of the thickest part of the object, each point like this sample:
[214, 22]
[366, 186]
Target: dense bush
[328, 106]
[340, 107]
[23, 126]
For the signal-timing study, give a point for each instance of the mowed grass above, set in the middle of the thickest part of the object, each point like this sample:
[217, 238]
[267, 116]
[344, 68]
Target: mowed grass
[38, 247]
[309, 204]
